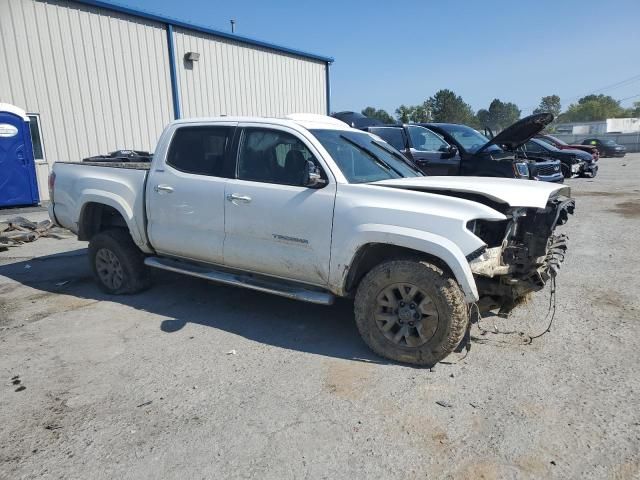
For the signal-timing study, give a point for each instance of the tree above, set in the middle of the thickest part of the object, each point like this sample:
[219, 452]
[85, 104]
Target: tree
[414, 113]
[549, 104]
[448, 107]
[499, 115]
[379, 114]
[404, 113]
[592, 108]
[634, 111]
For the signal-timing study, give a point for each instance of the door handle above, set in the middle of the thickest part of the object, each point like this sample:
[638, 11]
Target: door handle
[234, 197]
[163, 188]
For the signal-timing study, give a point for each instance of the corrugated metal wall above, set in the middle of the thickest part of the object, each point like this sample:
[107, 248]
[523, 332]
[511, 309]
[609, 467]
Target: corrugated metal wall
[99, 80]
[232, 78]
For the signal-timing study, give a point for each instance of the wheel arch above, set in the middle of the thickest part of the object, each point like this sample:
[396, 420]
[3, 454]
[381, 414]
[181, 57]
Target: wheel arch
[432, 248]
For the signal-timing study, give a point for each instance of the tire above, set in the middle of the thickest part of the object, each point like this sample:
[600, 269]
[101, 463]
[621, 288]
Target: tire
[117, 263]
[430, 324]
[566, 171]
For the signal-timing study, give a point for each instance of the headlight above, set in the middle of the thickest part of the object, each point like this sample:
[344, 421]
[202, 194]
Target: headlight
[521, 169]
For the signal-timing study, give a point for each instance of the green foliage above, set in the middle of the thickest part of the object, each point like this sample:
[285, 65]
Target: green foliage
[379, 114]
[414, 113]
[499, 115]
[549, 104]
[592, 108]
[448, 107]
[634, 111]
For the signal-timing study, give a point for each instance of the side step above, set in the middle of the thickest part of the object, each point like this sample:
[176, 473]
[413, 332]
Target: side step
[254, 282]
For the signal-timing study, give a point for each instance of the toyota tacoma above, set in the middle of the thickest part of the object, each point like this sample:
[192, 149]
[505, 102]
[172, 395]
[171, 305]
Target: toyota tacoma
[311, 209]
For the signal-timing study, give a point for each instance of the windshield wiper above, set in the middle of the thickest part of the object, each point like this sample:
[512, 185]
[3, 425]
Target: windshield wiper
[373, 156]
[401, 158]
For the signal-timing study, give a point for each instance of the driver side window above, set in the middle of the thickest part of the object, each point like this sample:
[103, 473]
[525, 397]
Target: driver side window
[272, 156]
[426, 141]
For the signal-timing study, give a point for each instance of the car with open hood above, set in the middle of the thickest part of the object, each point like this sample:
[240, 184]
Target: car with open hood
[311, 209]
[497, 157]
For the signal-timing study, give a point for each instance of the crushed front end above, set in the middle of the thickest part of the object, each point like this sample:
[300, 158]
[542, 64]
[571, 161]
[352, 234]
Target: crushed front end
[522, 253]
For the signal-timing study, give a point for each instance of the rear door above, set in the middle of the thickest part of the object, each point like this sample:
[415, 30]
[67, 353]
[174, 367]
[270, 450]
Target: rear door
[185, 193]
[274, 224]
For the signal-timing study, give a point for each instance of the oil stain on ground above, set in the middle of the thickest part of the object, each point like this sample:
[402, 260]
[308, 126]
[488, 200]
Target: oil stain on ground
[627, 209]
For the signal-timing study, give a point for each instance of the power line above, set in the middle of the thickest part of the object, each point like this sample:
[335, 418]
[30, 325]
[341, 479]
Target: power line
[627, 98]
[619, 84]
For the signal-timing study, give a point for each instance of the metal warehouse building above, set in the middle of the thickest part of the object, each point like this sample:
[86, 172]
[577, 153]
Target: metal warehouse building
[95, 77]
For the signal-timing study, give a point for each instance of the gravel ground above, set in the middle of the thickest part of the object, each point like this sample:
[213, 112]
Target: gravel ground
[145, 386]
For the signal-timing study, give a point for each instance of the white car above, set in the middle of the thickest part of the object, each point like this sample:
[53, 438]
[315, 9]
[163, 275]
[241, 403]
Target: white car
[309, 208]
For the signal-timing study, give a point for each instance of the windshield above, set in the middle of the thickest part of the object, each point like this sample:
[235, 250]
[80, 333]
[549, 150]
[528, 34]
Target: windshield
[609, 142]
[556, 140]
[545, 145]
[468, 138]
[361, 158]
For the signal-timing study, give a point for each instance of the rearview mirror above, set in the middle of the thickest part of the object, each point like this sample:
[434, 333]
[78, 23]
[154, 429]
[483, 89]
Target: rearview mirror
[312, 176]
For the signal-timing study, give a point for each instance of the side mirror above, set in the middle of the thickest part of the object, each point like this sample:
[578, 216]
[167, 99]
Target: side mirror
[451, 152]
[312, 176]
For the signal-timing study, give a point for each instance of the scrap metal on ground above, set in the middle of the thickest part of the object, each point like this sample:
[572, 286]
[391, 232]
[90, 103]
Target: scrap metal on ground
[19, 230]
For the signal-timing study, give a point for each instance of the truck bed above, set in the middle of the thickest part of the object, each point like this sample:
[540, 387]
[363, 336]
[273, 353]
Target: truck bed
[119, 185]
[130, 165]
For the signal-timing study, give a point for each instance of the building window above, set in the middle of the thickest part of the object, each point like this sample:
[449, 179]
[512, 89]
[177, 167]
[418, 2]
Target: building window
[36, 139]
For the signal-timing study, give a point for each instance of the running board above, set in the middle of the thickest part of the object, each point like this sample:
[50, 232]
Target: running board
[254, 282]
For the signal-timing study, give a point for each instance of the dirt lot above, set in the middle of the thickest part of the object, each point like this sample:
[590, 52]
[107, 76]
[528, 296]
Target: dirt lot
[145, 387]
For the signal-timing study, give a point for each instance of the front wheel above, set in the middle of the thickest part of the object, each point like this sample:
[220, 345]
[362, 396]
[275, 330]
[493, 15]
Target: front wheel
[566, 170]
[117, 263]
[410, 311]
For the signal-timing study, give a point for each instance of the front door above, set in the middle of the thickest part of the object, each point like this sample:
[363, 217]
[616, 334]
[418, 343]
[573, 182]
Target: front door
[185, 195]
[274, 224]
[17, 169]
[431, 152]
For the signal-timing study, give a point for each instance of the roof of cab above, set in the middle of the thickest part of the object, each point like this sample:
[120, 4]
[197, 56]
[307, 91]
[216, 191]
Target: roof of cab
[306, 120]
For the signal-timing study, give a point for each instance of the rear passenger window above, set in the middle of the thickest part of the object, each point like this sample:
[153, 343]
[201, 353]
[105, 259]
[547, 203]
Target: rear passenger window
[273, 156]
[199, 150]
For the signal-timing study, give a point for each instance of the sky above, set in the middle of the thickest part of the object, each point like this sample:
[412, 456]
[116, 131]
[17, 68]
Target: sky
[391, 53]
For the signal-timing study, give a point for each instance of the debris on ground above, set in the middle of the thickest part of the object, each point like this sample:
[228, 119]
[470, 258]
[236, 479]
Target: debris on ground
[232, 352]
[19, 230]
[443, 404]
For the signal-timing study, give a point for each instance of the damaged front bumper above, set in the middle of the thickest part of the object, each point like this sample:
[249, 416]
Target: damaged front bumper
[529, 254]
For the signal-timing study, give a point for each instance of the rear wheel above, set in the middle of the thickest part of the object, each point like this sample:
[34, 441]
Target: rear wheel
[117, 263]
[410, 311]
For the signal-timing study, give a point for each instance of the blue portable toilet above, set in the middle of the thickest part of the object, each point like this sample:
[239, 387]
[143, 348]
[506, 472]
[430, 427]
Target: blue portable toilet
[18, 184]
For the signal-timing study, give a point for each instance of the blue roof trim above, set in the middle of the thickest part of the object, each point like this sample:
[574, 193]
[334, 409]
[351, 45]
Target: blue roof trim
[199, 28]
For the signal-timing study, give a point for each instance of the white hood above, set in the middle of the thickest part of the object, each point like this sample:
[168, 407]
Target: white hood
[513, 192]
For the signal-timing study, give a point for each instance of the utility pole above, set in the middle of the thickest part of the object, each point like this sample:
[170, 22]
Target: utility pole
[233, 26]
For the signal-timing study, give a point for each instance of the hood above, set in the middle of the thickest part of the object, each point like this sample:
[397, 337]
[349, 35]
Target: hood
[520, 132]
[580, 154]
[509, 191]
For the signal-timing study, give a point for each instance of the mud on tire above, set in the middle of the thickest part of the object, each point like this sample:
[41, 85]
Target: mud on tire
[410, 311]
[117, 263]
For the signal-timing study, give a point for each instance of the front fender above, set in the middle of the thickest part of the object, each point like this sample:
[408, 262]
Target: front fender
[429, 243]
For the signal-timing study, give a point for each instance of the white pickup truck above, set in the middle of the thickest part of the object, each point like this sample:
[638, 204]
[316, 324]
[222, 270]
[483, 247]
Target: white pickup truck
[309, 208]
